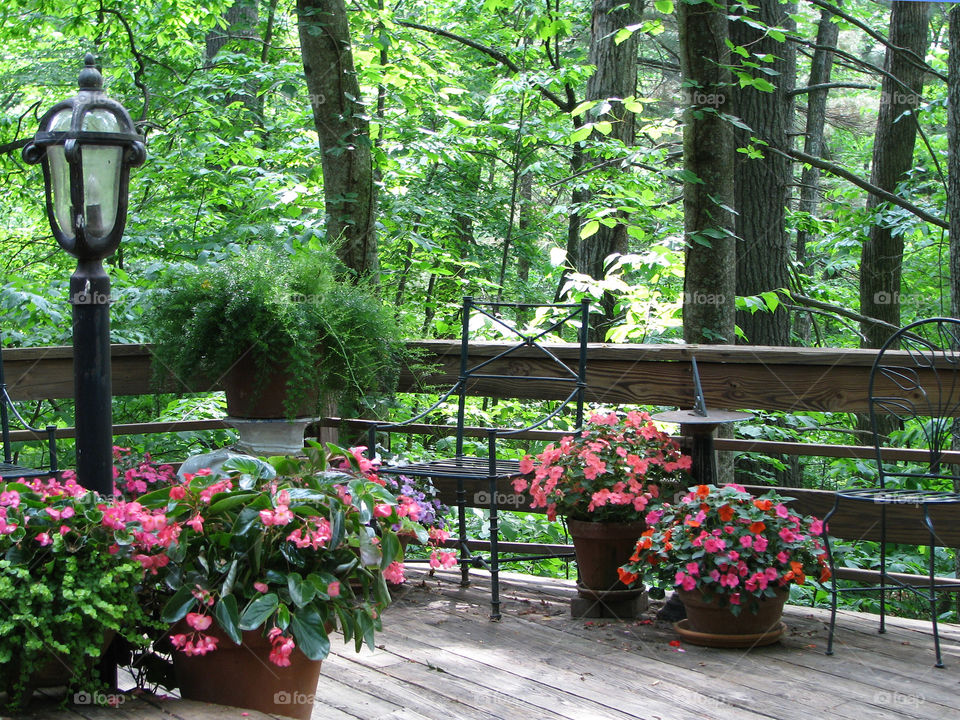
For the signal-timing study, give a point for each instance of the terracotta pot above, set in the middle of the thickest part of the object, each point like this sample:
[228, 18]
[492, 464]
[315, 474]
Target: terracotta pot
[709, 618]
[601, 548]
[251, 395]
[243, 676]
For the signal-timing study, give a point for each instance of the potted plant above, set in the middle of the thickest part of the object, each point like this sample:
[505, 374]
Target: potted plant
[732, 558]
[69, 580]
[601, 481]
[268, 321]
[418, 502]
[260, 564]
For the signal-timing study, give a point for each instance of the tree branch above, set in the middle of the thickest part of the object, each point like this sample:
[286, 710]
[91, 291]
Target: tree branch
[809, 302]
[141, 66]
[495, 54]
[828, 86]
[861, 183]
[916, 59]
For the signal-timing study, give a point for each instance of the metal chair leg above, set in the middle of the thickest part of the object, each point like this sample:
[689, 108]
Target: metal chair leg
[494, 553]
[833, 575]
[466, 559]
[933, 586]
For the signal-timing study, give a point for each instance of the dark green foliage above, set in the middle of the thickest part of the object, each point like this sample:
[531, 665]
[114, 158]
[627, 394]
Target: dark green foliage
[275, 306]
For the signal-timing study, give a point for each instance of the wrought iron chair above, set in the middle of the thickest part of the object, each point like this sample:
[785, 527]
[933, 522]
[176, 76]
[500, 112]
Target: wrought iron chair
[7, 468]
[915, 381]
[486, 472]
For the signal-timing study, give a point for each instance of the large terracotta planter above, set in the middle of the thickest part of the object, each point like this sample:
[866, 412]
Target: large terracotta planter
[251, 395]
[242, 676]
[601, 548]
[708, 623]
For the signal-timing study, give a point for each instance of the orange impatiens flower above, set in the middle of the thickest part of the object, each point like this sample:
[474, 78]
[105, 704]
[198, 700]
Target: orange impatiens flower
[703, 491]
[626, 577]
[764, 505]
[725, 513]
[757, 527]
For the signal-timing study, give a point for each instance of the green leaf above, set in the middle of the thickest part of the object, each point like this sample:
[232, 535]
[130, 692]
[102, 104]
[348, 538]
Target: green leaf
[581, 133]
[311, 635]
[301, 591]
[589, 229]
[391, 549]
[225, 611]
[772, 300]
[258, 610]
[179, 605]
[664, 6]
[231, 501]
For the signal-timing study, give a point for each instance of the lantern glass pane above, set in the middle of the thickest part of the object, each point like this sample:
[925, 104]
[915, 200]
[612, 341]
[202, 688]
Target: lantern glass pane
[60, 176]
[101, 175]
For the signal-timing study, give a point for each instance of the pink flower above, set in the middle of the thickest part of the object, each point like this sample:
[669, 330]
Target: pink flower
[713, 545]
[746, 541]
[44, 539]
[693, 568]
[526, 467]
[10, 498]
[283, 647]
[759, 543]
[196, 522]
[787, 535]
[199, 622]
[382, 510]
[394, 573]
[333, 589]
[782, 511]
[178, 492]
[816, 527]
[441, 559]
[782, 557]
[260, 587]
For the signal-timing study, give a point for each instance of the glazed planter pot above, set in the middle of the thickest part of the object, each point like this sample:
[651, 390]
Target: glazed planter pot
[243, 676]
[709, 624]
[601, 548]
[251, 396]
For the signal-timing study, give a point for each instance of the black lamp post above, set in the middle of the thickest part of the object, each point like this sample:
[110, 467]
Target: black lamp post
[87, 145]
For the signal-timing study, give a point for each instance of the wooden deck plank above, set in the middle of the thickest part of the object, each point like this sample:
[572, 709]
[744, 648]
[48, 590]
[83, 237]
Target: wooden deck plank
[440, 656]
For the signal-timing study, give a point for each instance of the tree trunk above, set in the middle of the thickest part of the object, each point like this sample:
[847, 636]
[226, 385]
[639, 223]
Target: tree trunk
[820, 69]
[710, 262]
[762, 186]
[615, 78]
[882, 255]
[349, 191]
[953, 161]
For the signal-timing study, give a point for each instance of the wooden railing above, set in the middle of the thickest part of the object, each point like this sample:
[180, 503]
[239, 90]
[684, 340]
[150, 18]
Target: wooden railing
[732, 377]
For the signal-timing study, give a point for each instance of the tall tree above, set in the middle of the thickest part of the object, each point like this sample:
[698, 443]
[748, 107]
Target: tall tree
[350, 195]
[821, 66]
[953, 143]
[762, 187]
[614, 79]
[710, 262]
[902, 90]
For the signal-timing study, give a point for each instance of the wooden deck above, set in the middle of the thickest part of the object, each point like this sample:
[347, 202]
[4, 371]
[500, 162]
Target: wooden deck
[440, 657]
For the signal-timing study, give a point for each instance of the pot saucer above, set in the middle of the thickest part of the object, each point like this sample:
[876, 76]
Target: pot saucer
[721, 640]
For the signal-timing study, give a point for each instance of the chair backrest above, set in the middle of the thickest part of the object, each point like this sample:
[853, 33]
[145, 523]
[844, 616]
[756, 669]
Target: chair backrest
[570, 374]
[915, 380]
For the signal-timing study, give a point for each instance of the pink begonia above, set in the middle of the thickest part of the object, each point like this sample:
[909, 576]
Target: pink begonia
[10, 498]
[333, 589]
[178, 492]
[441, 559]
[198, 621]
[381, 510]
[280, 516]
[394, 573]
[438, 536]
[196, 522]
[260, 587]
[6, 528]
[44, 539]
[283, 647]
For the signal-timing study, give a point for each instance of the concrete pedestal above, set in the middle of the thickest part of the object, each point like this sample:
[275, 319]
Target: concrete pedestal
[270, 437]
